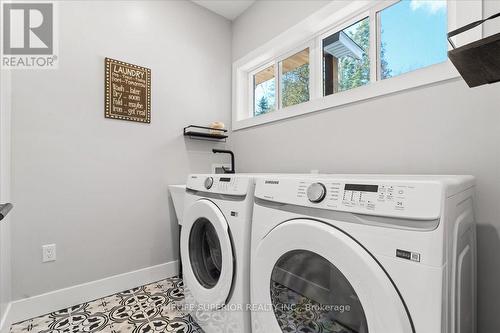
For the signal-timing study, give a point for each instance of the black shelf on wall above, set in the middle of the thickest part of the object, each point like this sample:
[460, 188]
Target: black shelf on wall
[205, 133]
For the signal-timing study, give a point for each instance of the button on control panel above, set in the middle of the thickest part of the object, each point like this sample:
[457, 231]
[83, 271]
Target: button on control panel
[316, 192]
[209, 181]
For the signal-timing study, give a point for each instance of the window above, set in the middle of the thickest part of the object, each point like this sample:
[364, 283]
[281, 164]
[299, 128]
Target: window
[346, 63]
[294, 72]
[264, 91]
[293, 77]
[412, 36]
[347, 52]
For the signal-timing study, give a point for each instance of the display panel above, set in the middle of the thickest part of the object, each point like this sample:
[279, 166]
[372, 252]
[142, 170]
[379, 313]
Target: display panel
[361, 188]
[225, 179]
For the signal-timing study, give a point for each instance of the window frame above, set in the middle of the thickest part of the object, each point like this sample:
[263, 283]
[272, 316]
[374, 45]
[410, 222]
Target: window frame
[310, 33]
[340, 27]
[251, 75]
[277, 77]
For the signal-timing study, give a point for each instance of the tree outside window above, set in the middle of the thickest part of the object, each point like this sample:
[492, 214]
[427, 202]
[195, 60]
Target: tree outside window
[264, 91]
[295, 79]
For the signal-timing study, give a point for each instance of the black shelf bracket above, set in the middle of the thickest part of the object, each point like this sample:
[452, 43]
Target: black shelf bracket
[205, 133]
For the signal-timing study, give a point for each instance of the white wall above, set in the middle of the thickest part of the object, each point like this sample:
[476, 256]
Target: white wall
[440, 129]
[276, 16]
[98, 187]
[5, 182]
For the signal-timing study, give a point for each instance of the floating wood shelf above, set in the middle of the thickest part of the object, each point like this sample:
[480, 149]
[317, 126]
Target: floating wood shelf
[205, 133]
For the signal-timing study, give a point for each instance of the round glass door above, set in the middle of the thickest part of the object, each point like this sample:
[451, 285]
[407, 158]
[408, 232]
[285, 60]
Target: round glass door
[205, 253]
[309, 294]
[309, 276]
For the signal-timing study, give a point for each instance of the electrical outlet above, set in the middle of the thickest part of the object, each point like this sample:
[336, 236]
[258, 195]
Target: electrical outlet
[48, 252]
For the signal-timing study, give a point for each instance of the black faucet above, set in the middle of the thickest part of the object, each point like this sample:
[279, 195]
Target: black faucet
[233, 170]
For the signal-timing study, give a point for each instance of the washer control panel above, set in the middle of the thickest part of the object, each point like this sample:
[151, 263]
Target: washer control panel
[369, 196]
[221, 184]
[408, 199]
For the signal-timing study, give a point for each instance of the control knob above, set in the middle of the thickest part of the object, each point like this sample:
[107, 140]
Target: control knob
[316, 192]
[209, 181]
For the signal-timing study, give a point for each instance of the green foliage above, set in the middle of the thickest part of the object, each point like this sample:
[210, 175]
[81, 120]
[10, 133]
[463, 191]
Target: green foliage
[265, 103]
[386, 71]
[295, 86]
[262, 106]
[356, 72]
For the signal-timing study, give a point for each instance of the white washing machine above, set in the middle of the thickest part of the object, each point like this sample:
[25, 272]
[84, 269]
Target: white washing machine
[215, 251]
[364, 253]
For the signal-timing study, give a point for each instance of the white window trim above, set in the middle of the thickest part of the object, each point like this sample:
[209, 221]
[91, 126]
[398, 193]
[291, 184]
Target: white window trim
[306, 34]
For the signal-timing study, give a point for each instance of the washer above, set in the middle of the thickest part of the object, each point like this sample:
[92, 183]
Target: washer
[364, 253]
[215, 251]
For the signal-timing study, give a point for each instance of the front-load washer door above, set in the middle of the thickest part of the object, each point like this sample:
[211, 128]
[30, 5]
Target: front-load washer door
[207, 254]
[308, 276]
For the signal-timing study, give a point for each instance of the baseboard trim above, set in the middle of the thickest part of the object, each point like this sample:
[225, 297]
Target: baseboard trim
[59, 299]
[5, 321]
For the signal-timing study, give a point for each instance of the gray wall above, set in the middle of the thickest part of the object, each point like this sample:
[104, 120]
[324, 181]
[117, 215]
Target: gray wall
[98, 187]
[5, 181]
[440, 129]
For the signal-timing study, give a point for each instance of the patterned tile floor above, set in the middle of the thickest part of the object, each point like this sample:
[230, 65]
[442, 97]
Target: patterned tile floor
[148, 309]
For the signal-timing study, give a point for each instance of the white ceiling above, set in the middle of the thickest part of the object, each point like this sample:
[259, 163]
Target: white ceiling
[230, 9]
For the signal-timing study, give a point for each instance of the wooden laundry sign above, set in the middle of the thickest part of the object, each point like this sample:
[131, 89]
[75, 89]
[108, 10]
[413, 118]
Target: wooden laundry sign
[128, 91]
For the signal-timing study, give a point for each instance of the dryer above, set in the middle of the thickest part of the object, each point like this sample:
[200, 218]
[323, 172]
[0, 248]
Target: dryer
[215, 250]
[364, 253]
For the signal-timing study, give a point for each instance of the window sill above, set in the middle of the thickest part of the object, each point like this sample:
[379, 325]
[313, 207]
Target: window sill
[421, 77]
